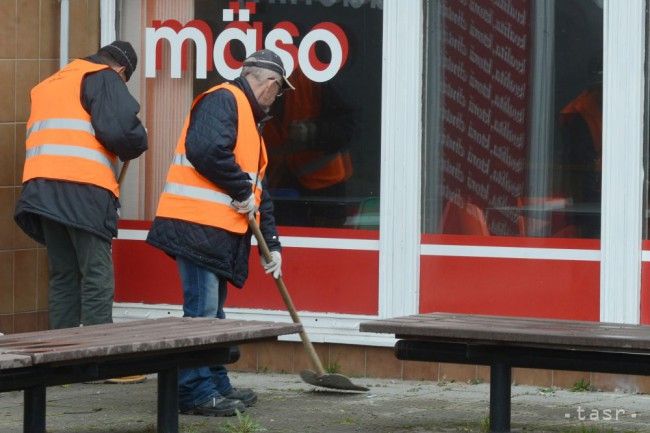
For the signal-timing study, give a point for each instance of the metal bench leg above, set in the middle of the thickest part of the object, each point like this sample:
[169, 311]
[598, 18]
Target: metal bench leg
[34, 410]
[168, 401]
[500, 381]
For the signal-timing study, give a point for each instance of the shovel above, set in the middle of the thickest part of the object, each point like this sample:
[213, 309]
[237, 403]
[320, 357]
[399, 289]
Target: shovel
[125, 167]
[319, 377]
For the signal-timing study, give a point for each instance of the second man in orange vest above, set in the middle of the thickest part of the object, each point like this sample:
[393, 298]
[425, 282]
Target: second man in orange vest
[214, 182]
[82, 120]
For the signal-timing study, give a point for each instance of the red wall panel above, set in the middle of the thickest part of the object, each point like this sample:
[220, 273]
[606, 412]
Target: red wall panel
[320, 280]
[565, 289]
[346, 281]
[511, 287]
[645, 287]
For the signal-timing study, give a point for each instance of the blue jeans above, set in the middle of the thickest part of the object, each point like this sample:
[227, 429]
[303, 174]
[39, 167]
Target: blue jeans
[203, 296]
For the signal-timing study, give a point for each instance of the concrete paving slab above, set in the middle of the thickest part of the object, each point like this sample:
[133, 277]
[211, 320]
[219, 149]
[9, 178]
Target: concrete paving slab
[288, 405]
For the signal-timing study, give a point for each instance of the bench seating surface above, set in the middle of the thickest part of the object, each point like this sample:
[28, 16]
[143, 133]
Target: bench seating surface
[506, 342]
[127, 338]
[32, 361]
[514, 330]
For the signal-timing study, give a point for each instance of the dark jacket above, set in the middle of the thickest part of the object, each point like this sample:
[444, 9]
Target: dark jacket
[113, 113]
[209, 144]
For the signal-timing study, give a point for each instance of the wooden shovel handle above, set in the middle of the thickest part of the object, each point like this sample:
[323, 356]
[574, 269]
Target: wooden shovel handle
[287, 299]
[125, 166]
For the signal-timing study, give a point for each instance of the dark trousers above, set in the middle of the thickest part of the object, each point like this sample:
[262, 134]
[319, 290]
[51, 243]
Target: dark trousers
[81, 276]
[204, 294]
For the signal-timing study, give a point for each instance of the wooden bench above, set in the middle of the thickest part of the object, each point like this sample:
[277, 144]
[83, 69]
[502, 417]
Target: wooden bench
[506, 342]
[35, 360]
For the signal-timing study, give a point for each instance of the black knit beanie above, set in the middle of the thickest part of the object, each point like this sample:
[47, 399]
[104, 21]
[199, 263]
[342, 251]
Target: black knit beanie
[124, 54]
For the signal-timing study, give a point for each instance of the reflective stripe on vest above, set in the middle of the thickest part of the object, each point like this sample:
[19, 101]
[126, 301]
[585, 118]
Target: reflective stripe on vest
[198, 193]
[318, 162]
[75, 124]
[316, 169]
[71, 151]
[189, 196]
[183, 161]
[60, 139]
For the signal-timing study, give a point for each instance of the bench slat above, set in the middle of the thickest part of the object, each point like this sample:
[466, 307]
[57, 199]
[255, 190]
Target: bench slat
[121, 330]
[513, 330]
[140, 334]
[135, 337]
[8, 360]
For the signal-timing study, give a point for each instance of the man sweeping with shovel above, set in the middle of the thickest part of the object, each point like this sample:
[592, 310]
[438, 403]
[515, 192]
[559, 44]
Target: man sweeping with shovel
[213, 184]
[213, 191]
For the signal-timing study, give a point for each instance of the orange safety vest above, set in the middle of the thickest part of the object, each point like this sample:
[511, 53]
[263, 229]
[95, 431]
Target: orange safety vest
[60, 139]
[189, 196]
[588, 105]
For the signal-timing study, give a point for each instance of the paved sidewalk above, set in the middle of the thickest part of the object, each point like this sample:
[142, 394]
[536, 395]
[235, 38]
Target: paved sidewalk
[287, 405]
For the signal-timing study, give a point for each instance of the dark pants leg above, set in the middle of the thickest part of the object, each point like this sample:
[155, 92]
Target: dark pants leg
[81, 276]
[203, 296]
[95, 261]
[64, 291]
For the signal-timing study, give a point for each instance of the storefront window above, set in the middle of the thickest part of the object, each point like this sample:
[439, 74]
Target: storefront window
[513, 118]
[324, 139]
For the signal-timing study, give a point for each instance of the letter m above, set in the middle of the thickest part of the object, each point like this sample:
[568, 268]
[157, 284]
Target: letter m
[178, 35]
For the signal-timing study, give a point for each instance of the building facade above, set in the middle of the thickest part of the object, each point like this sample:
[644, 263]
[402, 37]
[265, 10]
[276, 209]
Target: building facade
[29, 52]
[471, 156]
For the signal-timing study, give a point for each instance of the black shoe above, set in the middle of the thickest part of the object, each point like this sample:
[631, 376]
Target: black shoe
[217, 406]
[245, 395]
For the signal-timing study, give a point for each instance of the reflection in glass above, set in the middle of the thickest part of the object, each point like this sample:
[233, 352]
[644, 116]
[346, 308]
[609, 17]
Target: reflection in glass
[513, 118]
[324, 138]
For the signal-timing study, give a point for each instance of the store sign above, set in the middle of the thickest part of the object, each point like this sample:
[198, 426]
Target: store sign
[214, 51]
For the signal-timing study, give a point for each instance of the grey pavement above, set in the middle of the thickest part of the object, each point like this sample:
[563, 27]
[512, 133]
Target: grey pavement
[288, 405]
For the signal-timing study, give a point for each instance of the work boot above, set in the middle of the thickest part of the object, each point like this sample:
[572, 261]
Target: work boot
[217, 406]
[245, 395]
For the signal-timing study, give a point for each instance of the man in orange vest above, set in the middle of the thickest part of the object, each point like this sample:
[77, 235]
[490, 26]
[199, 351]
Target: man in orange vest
[581, 121]
[311, 137]
[82, 120]
[581, 129]
[215, 181]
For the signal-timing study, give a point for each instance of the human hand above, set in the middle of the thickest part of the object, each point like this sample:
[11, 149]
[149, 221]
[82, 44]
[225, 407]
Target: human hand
[273, 267]
[246, 207]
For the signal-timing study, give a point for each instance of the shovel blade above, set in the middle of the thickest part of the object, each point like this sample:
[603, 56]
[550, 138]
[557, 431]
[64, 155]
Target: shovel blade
[332, 381]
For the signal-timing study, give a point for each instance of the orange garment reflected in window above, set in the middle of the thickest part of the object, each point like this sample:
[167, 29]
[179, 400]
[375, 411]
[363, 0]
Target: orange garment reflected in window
[300, 154]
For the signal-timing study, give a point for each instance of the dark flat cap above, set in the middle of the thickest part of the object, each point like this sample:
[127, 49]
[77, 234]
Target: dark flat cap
[267, 59]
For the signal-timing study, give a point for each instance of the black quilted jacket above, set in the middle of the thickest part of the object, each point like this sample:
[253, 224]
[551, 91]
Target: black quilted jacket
[209, 145]
[113, 113]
